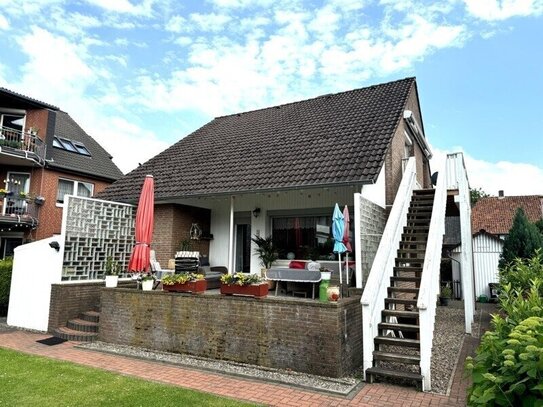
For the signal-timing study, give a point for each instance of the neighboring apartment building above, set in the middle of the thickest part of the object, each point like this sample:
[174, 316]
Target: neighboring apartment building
[44, 154]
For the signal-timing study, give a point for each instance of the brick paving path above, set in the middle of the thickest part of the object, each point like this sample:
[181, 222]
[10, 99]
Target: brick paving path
[241, 388]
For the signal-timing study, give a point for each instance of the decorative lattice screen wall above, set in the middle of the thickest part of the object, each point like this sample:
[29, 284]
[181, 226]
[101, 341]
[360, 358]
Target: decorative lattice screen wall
[372, 224]
[95, 230]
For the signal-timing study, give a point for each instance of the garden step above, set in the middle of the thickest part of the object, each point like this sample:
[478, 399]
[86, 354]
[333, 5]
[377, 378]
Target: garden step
[72, 335]
[405, 279]
[403, 301]
[91, 316]
[372, 372]
[396, 357]
[389, 326]
[387, 340]
[82, 325]
[398, 313]
[403, 290]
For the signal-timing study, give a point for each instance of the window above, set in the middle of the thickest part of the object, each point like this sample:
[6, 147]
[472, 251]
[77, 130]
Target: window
[69, 187]
[70, 145]
[308, 237]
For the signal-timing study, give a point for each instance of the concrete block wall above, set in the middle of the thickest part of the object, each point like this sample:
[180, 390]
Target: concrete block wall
[372, 223]
[305, 336]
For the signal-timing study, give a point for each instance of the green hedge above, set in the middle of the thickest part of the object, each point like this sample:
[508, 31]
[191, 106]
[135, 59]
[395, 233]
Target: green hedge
[508, 367]
[5, 282]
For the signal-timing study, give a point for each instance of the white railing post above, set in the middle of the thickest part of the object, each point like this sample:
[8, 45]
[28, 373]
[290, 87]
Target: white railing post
[357, 241]
[383, 265]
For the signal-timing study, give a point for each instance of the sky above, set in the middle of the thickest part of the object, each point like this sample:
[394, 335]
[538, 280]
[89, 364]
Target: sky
[140, 75]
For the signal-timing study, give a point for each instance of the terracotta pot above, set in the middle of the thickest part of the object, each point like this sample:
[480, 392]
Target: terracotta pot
[252, 290]
[198, 286]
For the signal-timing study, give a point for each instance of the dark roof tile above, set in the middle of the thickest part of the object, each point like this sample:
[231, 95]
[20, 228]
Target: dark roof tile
[338, 138]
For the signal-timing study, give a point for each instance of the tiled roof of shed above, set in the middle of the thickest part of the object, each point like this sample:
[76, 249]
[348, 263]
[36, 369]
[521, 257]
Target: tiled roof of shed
[332, 139]
[495, 214]
[98, 165]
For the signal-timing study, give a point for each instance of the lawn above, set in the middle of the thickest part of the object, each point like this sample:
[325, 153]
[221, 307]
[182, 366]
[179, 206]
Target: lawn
[28, 380]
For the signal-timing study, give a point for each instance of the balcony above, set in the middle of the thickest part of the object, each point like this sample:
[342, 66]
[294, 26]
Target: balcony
[18, 147]
[18, 212]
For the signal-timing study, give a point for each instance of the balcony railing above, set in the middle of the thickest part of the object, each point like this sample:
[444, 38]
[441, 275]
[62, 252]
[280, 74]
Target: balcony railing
[16, 210]
[22, 144]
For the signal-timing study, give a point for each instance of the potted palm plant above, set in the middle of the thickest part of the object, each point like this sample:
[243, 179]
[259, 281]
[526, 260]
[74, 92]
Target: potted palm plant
[112, 272]
[267, 254]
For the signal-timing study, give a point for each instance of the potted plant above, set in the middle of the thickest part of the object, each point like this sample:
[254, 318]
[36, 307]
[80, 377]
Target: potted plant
[3, 192]
[445, 294]
[147, 281]
[243, 284]
[185, 283]
[265, 250]
[112, 271]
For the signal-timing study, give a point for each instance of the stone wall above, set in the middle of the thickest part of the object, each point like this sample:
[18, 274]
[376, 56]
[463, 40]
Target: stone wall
[372, 223]
[68, 300]
[305, 336]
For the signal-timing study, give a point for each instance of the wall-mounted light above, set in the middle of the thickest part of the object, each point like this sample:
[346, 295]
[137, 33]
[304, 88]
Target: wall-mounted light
[256, 212]
[55, 245]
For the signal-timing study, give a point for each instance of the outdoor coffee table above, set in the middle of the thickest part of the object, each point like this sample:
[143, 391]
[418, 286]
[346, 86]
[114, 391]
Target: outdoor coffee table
[294, 276]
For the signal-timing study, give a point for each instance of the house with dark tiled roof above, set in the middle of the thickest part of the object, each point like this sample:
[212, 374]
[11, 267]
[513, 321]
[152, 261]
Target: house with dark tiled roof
[280, 170]
[44, 155]
[491, 219]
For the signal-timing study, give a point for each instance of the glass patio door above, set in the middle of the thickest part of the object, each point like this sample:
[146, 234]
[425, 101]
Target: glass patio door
[243, 247]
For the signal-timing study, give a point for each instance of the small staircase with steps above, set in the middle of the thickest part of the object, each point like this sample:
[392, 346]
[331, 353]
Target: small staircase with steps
[82, 329]
[397, 346]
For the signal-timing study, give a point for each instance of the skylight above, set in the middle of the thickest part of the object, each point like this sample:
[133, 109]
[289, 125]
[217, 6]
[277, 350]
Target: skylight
[70, 145]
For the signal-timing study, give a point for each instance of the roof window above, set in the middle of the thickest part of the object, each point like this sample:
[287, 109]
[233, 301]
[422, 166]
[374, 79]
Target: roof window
[70, 145]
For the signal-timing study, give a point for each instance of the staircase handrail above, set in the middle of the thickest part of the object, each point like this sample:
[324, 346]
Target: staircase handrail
[429, 284]
[382, 269]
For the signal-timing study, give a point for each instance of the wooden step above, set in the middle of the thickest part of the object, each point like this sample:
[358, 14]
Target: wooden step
[425, 221]
[403, 301]
[92, 316]
[408, 269]
[396, 357]
[390, 326]
[372, 372]
[405, 279]
[420, 209]
[387, 340]
[416, 229]
[411, 251]
[72, 335]
[82, 325]
[398, 313]
[424, 191]
[403, 290]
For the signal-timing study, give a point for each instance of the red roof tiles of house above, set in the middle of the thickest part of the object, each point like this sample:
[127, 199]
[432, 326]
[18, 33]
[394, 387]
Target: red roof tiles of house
[495, 214]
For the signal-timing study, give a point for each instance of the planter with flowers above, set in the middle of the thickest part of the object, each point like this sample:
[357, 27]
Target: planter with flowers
[147, 281]
[4, 193]
[185, 283]
[243, 284]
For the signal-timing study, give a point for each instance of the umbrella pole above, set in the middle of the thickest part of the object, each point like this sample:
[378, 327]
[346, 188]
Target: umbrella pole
[340, 276]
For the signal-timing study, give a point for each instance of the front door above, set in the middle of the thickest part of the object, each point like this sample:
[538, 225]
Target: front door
[8, 244]
[243, 247]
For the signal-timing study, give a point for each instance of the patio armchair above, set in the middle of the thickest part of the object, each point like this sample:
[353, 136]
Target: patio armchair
[155, 267]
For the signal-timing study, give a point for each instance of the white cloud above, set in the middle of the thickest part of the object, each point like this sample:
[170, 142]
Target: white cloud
[210, 22]
[491, 177]
[177, 24]
[4, 23]
[145, 8]
[492, 10]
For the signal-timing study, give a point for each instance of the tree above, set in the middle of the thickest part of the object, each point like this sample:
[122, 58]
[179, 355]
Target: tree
[476, 194]
[539, 225]
[522, 241]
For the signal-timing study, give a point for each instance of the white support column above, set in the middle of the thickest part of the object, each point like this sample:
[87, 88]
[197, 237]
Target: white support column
[466, 260]
[358, 242]
[231, 238]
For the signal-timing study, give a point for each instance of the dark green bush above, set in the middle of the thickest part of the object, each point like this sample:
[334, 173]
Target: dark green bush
[522, 240]
[5, 282]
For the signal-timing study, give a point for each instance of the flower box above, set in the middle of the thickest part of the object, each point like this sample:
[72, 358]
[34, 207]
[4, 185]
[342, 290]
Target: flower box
[197, 286]
[251, 290]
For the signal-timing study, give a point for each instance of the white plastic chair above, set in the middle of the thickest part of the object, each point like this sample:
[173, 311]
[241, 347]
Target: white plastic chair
[155, 267]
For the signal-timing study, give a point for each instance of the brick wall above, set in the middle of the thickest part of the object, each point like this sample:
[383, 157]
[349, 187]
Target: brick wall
[298, 335]
[172, 225]
[37, 118]
[70, 300]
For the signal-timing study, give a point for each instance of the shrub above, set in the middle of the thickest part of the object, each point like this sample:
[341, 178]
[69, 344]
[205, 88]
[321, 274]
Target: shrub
[6, 266]
[521, 272]
[522, 241]
[508, 367]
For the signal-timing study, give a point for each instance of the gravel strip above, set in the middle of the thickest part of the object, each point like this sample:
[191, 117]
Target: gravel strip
[341, 386]
[448, 339]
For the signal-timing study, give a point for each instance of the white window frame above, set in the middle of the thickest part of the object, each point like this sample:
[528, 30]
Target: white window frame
[74, 189]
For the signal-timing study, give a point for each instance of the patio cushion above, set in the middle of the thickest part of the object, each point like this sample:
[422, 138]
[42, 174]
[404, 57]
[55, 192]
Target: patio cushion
[296, 265]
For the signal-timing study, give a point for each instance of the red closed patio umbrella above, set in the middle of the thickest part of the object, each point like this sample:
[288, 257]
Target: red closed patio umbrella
[141, 254]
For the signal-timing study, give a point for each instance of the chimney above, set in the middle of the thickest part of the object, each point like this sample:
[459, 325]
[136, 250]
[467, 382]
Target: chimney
[500, 193]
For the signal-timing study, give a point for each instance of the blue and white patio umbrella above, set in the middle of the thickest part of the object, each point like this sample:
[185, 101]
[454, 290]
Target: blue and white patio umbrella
[338, 228]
